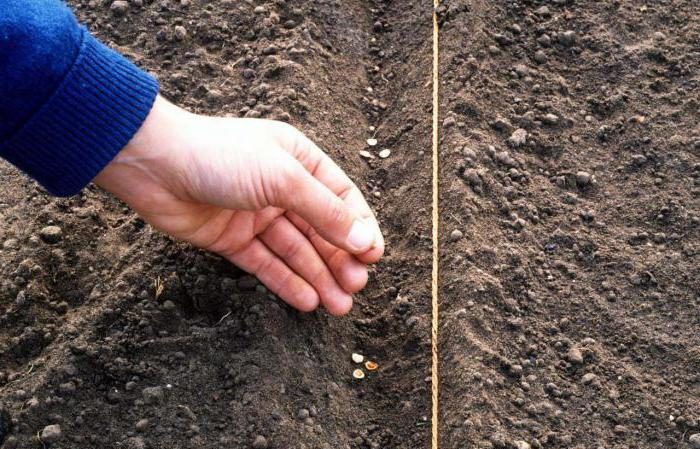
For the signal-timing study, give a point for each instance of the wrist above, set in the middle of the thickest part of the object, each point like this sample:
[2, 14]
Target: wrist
[150, 156]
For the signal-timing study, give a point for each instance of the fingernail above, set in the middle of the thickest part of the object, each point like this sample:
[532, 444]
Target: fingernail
[361, 236]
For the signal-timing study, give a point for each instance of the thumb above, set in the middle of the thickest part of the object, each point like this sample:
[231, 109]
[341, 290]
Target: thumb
[300, 192]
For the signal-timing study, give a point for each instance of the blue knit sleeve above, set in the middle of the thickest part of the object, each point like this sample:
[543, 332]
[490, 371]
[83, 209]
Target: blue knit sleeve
[69, 103]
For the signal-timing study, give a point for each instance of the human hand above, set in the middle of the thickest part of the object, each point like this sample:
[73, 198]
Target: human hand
[257, 192]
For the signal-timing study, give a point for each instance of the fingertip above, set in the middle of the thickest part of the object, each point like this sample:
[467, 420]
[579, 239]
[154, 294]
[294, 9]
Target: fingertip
[354, 276]
[305, 299]
[371, 256]
[340, 305]
[376, 252]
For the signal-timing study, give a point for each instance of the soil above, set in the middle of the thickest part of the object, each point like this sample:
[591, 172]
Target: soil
[571, 165]
[570, 158]
[211, 360]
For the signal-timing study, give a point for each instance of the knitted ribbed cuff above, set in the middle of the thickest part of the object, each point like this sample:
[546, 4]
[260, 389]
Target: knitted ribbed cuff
[91, 116]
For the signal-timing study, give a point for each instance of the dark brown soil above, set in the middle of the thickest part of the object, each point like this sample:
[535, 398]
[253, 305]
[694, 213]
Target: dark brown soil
[570, 301]
[571, 306]
[84, 339]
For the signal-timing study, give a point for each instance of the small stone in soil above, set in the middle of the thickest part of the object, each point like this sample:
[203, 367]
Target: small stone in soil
[588, 378]
[515, 370]
[51, 434]
[550, 119]
[302, 414]
[503, 157]
[152, 395]
[583, 178]
[567, 38]
[67, 388]
[119, 7]
[113, 395]
[180, 33]
[456, 235]
[372, 142]
[260, 442]
[574, 356]
[518, 138]
[639, 159]
[620, 429]
[357, 358]
[694, 441]
[142, 425]
[540, 56]
[543, 11]
[134, 443]
[11, 244]
[503, 39]
[385, 153]
[51, 234]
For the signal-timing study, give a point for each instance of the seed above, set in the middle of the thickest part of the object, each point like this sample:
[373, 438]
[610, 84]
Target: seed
[371, 366]
[385, 153]
[371, 142]
[358, 358]
[358, 374]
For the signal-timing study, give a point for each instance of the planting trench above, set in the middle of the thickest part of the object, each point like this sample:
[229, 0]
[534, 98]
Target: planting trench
[213, 361]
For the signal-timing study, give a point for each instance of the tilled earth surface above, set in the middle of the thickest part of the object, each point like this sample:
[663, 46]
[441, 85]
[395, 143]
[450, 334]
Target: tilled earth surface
[113, 335]
[571, 177]
[570, 280]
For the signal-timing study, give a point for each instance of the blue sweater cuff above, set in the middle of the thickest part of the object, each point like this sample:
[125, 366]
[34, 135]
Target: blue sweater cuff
[92, 115]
